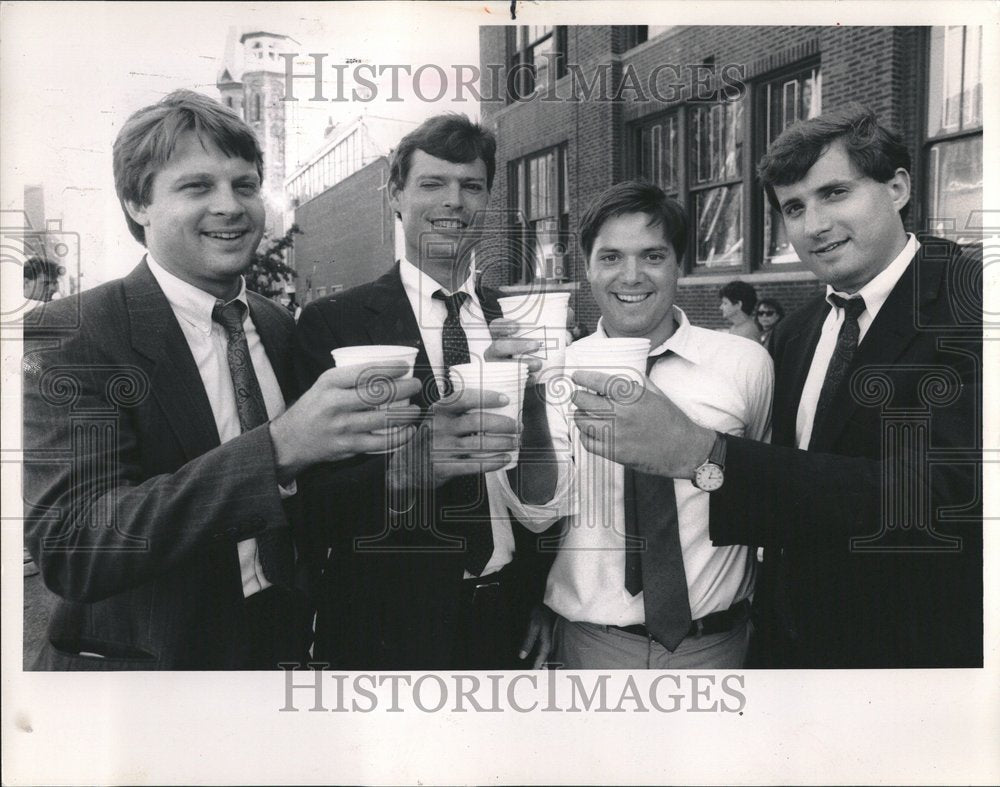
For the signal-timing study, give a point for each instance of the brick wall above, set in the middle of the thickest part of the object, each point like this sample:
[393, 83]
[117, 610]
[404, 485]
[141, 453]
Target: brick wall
[874, 65]
[340, 230]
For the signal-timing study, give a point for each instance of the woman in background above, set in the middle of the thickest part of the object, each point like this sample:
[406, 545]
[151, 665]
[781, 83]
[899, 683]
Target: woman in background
[767, 314]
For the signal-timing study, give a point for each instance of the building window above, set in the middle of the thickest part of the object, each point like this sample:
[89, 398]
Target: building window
[708, 180]
[640, 34]
[255, 108]
[701, 154]
[229, 101]
[539, 198]
[783, 101]
[536, 55]
[953, 146]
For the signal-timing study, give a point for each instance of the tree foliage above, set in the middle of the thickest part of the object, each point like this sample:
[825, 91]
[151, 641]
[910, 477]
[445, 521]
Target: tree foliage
[268, 272]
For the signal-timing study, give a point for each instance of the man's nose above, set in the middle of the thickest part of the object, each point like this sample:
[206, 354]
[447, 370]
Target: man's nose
[631, 272]
[226, 201]
[452, 197]
[816, 221]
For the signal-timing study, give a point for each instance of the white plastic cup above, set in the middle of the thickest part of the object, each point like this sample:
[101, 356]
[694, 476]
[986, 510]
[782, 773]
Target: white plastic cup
[623, 359]
[375, 356]
[542, 317]
[506, 377]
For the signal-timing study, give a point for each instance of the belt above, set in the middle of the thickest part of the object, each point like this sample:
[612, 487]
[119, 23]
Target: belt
[715, 623]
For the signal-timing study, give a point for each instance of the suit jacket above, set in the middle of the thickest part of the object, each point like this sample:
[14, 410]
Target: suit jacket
[873, 537]
[132, 507]
[387, 586]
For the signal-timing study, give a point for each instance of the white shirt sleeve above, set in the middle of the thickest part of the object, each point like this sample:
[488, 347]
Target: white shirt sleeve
[539, 517]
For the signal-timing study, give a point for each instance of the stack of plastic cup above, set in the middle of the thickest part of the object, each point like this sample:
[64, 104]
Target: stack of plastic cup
[542, 317]
[377, 389]
[506, 377]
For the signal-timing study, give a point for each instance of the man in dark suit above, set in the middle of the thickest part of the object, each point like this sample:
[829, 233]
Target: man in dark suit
[417, 563]
[868, 500]
[158, 451]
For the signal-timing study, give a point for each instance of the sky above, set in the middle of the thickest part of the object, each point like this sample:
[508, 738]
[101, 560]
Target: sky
[73, 72]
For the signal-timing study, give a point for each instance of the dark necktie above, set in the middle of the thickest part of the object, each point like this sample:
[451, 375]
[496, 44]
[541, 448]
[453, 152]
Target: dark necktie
[843, 354]
[657, 568]
[273, 546]
[467, 493]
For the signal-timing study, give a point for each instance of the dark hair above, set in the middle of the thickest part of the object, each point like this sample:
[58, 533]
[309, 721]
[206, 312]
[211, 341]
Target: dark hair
[635, 196]
[35, 267]
[778, 309]
[742, 292]
[149, 136]
[873, 149]
[452, 137]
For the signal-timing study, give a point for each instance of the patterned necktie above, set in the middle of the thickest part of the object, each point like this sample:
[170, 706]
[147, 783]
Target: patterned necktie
[467, 493]
[843, 354]
[273, 546]
[656, 568]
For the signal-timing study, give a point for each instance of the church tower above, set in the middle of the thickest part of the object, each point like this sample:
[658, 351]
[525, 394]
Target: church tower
[252, 82]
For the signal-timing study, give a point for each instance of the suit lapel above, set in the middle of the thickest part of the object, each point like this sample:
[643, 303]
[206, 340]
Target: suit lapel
[273, 335]
[174, 378]
[892, 331]
[392, 321]
[795, 358]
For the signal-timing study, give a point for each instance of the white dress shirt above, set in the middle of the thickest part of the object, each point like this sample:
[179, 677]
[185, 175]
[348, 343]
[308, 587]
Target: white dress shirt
[721, 382]
[875, 294]
[207, 339]
[430, 314]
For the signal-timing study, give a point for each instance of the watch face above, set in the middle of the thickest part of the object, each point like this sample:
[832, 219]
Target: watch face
[709, 477]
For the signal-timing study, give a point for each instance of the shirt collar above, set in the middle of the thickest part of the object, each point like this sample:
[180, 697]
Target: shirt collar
[189, 303]
[419, 285]
[681, 342]
[877, 290]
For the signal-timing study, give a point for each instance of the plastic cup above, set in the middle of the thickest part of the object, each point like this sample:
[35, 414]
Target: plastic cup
[374, 356]
[542, 317]
[506, 377]
[623, 359]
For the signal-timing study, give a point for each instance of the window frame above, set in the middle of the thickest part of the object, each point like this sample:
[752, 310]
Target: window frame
[760, 205]
[920, 208]
[753, 202]
[520, 187]
[685, 192]
[516, 55]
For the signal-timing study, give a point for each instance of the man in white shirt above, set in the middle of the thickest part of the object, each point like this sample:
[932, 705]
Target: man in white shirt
[868, 502]
[661, 596]
[417, 563]
[158, 451]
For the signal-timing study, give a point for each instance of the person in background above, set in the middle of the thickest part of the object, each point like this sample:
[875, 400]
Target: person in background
[767, 315]
[736, 302]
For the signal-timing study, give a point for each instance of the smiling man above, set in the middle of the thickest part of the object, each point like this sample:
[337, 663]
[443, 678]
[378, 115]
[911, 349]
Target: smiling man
[637, 583]
[868, 502]
[158, 450]
[417, 563]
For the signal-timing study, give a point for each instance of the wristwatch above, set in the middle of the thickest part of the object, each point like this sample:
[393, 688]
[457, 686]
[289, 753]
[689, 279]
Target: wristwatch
[711, 475]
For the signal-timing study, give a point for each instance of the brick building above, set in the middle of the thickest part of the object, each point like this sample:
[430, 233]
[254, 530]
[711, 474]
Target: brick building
[579, 108]
[340, 205]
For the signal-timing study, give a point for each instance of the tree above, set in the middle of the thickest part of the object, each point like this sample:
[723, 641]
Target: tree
[268, 272]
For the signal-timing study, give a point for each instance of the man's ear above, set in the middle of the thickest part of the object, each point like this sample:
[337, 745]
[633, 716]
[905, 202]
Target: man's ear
[139, 213]
[899, 188]
[392, 191]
